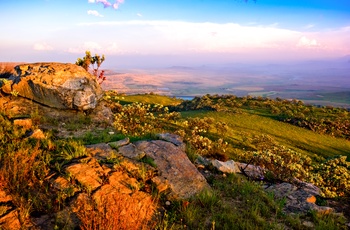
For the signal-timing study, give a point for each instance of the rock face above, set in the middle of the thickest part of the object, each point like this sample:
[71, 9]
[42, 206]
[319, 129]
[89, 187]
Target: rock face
[300, 198]
[176, 170]
[58, 85]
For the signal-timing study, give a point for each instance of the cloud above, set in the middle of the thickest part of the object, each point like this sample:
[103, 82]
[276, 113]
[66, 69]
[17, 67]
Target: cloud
[95, 13]
[306, 42]
[140, 15]
[183, 37]
[95, 47]
[107, 4]
[90, 45]
[42, 47]
[309, 26]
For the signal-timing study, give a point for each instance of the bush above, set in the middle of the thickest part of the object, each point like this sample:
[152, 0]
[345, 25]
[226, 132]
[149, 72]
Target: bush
[333, 177]
[139, 119]
[283, 163]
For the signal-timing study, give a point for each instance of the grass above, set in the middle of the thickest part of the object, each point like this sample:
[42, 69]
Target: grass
[148, 99]
[232, 203]
[235, 203]
[296, 138]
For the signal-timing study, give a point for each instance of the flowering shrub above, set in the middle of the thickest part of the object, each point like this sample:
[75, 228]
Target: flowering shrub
[193, 132]
[139, 119]
[283, 163]
[333, 177]
[89, 61]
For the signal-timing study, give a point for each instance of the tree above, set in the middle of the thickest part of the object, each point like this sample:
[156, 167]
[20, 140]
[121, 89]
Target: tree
[95, 62]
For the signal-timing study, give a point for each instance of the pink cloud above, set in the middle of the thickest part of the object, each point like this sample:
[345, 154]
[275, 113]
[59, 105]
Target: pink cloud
[107, 4]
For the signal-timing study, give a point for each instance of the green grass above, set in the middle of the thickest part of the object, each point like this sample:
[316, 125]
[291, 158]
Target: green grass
[232, 203]
[149, 99]
[236, 203]
[293, 137]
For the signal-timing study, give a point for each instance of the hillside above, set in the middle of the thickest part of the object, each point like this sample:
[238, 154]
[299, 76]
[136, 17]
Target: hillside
[287, 138]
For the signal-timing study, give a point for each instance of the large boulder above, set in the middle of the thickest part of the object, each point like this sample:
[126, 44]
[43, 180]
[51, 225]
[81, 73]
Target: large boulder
[175, 169]
[58, 85]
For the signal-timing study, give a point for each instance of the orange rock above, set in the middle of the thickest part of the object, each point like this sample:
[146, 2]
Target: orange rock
[25, 123]
[10, 221]
[311, 199]
[38, 134]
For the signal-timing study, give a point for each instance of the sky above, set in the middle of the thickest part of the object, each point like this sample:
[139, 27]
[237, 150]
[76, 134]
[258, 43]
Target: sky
[167, 32]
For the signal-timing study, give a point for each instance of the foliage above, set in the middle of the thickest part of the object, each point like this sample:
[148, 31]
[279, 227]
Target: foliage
[139, 119]
[283, 164]
[24, 166]
[235, 203]
[333, 177]
[67, 150]
[324, 120]
[94, 62]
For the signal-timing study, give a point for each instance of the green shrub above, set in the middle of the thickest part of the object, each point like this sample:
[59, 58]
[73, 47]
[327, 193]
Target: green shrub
[283, 163]
[139, 119]
[333, 177]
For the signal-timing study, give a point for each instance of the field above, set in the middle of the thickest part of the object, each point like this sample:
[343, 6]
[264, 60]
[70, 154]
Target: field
[317, 84]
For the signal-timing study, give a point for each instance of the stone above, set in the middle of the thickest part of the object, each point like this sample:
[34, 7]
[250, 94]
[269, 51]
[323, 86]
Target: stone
[131, 151]
[226, 167]
[25, 123]
[88, 174]
[120, 143]
[38, 134]
[308, 224]
[203, 161]
[102, 114]
[10, 221]
[174, 166]
[299, 199]
[173, 138]
[4, 197]
[252, 171]
[101, 151]
[57, 85]
[123, 183]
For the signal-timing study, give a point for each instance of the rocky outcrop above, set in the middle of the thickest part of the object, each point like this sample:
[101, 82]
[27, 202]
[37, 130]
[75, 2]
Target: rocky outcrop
[300, 198]
[176, 172]
[19, 109]
[58, 85]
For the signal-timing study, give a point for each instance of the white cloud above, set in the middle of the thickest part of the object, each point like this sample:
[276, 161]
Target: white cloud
[138, 14]
[95, 13]
[306, 42]
[42, 46]
[91, 46]
[91, 1]
[309, 26]
[181, 37]
[95, 47]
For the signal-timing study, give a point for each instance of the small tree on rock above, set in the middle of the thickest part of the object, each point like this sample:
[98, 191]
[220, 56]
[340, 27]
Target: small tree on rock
[94, 62]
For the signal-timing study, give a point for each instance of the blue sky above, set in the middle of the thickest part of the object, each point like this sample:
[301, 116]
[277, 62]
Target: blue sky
[182, 31]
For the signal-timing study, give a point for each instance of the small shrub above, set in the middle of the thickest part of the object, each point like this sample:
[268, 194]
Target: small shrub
[139, 119]
[89, 61]
[333, 177]
[283, 163]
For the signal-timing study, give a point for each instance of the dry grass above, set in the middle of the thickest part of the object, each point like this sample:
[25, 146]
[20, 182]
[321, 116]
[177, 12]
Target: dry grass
[117, 211]
[19, 176]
